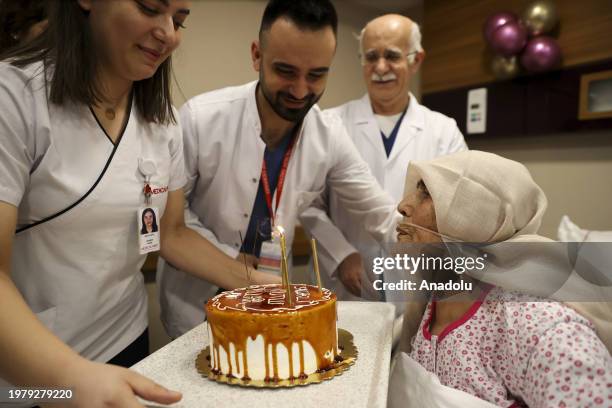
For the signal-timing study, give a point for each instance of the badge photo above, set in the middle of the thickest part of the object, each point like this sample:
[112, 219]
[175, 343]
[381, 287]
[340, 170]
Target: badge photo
[148, 230]
[270, 257]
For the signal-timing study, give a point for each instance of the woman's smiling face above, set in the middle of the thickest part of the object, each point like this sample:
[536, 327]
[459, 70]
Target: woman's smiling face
[134, 37]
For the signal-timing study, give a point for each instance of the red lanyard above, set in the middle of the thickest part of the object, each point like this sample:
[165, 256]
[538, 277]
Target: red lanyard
[265, 181]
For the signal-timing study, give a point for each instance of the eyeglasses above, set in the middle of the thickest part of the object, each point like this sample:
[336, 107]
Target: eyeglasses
[391, 56]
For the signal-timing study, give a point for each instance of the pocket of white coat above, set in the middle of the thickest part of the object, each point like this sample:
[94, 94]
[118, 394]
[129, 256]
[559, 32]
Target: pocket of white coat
[48, 317]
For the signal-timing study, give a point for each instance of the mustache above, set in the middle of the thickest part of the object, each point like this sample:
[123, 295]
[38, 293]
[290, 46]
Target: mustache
[389, 76]
[288, 96]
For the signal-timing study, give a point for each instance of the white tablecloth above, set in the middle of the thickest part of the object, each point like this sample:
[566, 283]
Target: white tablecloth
[363, 385]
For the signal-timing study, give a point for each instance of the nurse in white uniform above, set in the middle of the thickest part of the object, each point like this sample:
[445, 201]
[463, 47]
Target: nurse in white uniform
[89, 143]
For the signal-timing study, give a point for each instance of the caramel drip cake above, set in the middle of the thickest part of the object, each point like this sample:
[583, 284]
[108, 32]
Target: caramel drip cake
[256, 334]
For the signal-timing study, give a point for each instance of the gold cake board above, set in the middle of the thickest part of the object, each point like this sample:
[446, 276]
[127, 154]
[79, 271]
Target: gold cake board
[347, 349]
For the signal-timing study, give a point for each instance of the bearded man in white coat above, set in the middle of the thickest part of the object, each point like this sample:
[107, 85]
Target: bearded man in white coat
[389, 128]
[259, 154]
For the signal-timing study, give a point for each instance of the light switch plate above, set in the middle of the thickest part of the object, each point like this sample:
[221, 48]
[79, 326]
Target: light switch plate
[477, 111]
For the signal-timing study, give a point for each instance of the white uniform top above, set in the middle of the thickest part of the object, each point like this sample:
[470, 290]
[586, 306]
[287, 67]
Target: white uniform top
[75, 256]
[422, 135]
[224, 154]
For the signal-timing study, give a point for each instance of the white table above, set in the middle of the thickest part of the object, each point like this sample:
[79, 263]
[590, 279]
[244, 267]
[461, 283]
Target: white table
[363, 385]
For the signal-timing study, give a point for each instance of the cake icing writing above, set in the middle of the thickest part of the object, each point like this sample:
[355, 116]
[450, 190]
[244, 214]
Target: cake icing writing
[263, 298]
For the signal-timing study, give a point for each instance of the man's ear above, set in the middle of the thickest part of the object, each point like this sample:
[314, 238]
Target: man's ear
[85, 4]
[256, 55]
[419, 57]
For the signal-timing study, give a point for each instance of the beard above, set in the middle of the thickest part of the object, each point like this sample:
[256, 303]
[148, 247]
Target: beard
[276, 101]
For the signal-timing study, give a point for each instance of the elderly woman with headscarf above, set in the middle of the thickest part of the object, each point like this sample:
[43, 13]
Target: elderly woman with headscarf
[500, 345]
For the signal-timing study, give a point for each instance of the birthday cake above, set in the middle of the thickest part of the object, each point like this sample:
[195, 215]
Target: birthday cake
[255, 333]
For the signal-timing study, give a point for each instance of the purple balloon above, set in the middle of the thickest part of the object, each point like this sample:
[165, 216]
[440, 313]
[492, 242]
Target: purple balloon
[509, 39]
[495, 21]
[541, 54]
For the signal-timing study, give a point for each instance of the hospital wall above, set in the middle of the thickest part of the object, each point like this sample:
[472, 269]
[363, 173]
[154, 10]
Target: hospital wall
[574, 170]
[215, 51]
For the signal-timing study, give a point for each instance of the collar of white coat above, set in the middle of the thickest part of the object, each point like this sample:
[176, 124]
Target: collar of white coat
[415, 116]
[253, 112]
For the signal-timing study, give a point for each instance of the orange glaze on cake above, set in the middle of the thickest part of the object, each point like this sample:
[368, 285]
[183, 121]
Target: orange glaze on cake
[235, 316]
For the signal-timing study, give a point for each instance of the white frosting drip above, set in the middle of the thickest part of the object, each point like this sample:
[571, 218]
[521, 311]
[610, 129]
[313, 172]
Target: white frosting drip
[224, 367]
[270, 362]
[213, 353]
[310, 359]
[256, 359]
[296, 356]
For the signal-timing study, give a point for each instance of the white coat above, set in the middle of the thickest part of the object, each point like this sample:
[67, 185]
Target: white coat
[423, 135]
[75, 256]
[223, 156]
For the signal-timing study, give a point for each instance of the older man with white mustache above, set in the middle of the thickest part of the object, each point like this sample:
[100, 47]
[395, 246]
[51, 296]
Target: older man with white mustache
[390, 128]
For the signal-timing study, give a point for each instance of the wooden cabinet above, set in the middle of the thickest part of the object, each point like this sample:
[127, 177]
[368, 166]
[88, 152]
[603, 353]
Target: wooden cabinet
[530, 105]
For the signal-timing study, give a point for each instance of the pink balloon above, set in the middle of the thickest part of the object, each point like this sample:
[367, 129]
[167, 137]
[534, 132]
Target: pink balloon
[494, 22]
[541, 54]
[509, 39]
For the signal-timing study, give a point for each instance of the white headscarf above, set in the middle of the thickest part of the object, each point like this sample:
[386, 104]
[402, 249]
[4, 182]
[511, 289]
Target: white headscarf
[481, 197]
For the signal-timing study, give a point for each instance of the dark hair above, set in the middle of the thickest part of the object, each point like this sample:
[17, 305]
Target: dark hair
[143, 229]
[306, 14]
[67, 47]
[16, 18]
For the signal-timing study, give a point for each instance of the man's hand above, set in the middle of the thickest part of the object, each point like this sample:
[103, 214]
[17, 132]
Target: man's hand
[353, 276]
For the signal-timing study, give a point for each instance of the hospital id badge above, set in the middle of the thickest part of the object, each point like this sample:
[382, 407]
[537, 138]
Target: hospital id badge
[270, 257]
[148, 230]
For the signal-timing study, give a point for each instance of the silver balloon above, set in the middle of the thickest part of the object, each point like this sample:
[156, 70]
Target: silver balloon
[504, 68]
[540, 17]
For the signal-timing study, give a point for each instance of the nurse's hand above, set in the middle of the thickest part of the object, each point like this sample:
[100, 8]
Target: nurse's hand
[96, 385]
[250, 260]
[354, 278]
[264, 278]
[257, 277]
